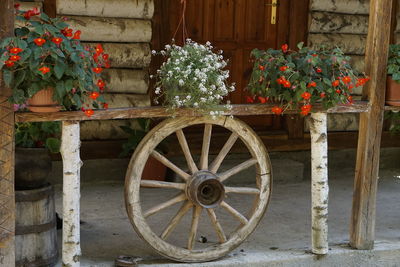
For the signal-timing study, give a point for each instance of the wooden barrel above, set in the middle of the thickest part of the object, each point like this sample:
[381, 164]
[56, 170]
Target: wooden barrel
[35, 228]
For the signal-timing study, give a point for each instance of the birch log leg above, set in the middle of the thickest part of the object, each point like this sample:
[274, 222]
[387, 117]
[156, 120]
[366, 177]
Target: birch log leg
[71, 250]
[319, 183]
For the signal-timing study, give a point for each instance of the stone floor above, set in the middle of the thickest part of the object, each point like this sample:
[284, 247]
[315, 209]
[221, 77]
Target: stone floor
[281, 239]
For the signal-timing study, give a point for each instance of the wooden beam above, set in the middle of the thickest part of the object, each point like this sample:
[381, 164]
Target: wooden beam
[50, 8]
[161, 112]
[362, 227]
[7, 198]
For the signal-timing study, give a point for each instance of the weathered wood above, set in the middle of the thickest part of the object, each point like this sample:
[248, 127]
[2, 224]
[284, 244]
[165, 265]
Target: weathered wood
[170, 165]
[49, 7]
[327, 22]
[161, 112]
[186, 151]
[131, 55]
[164, 205]
[36, 229]
[224, 151]
[176, 219]
[339, 122]
[242, 190]
[160, 184]
[126, 100]
[319, 183]
[392, 108]
[350, 43]
[205, 147]
[106, 129]
[134, 200]
[7, 205]
[195, 224]
[238, 168]
[24, 6]
[140, 9]
[71, 249]
[341, 6]
[217, 226]
[362, 227]
[357, 63]
[126, 81]
[112, 29]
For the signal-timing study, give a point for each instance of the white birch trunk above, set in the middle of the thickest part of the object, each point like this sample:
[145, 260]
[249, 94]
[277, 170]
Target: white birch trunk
[319, 182]
[71, 250]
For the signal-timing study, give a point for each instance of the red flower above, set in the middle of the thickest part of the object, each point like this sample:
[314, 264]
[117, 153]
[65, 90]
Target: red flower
[39, 41]
[94, 95]
[305, 110]
[96, 58]
[262, 100]
[277, 110]
[107, 65]
[283, 68]
[57, 40]
[16, 50]
[105, 56]
[338, 91]
[285, 48]
[311, 84]
[99, 49]
[88, 112]
[30, 13]
[101, 83]
[314, 55]
[362, 81]
[249, 99]
[261, 67]
[105, 105]
[286, 84]
[350, 99]
[16, 6]
[77, 35]
[44, 70]
[306, 95]
[15, 58]
[98, 70]
[9, 63]
[67, 32]
[346, 79]
[335, 83]
[318, 70]
[322, 95]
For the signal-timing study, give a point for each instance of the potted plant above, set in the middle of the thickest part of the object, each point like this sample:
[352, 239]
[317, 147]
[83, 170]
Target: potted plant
[48, 68]
[153, 170]
[33, 142]
[393, 117]
[393, 80]
[302, 78]
[193, 76]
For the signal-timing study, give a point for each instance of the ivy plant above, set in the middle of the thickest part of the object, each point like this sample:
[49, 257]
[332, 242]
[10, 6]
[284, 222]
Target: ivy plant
[393, 65]
[38, 134]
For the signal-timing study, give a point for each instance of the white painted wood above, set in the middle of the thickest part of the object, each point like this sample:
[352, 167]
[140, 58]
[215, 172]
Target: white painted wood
[71, 250]
[319, 183]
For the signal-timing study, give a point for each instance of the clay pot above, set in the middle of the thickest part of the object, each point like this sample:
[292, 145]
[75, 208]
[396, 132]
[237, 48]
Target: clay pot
[154, 170]
[32, 167]
[392, 92]
[43, 101]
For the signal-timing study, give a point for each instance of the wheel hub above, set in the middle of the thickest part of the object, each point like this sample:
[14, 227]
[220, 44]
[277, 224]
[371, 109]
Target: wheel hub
[205, 189]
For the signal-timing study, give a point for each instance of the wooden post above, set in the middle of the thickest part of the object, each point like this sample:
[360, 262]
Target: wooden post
[71, 250]
[50, 8]
[7, 198]
[319, 183]
[362, 227]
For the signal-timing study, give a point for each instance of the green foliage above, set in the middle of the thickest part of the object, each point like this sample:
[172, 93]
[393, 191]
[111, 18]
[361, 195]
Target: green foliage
[303, 77]
[70, 64]
[393, 65]
[193, 76]
[38, 134]
[394, 118]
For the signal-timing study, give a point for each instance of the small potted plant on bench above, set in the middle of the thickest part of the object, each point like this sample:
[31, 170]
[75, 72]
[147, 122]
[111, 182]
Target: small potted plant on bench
[48, 68]
[303, 78]
[393, 80]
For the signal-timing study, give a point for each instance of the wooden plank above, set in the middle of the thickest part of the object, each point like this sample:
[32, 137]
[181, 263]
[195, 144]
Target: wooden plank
[341, 6]
[327, 22]
[7, 200]
[161, 112]
[362, 227]
[49, 7]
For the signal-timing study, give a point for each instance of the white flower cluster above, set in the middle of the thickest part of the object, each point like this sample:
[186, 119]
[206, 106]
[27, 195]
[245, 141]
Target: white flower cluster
[193, 76]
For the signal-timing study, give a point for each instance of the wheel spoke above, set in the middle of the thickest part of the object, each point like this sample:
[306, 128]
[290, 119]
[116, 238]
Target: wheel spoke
[242, 166]
[161, 184]
[170, 165]
[178, 198]
[224, 151]
[186, 151]
[195, 223]
[206, 147]
[217, 225]
[176, 219]
[243, 220]
[242, 190]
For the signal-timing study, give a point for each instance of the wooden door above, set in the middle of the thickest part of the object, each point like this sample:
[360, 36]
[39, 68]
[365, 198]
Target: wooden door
[236, 27]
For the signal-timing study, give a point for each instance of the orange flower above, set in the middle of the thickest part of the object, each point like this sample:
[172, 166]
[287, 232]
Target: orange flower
[67, 32]
[16, 50]
[286, 84]
[101, 83]
[335, 83]
[277, 110]
[314, 55]
[249, 99]
[285, 48]
[346, 79]
[306, 95]
[305, 109]
[283, 68]
[9, 63]
[338, 91]
[89, 112]
[261, 67]
[99, 49]
[319, 70]
[15, 58]
[311, 84]
[105, 105]
[39, 41]
[105, 56]
[44, 70]
[57, 40]
[77, 35]
[98, 70]
[350, 99]
[94, 95]
[322, 95]
[262, 100]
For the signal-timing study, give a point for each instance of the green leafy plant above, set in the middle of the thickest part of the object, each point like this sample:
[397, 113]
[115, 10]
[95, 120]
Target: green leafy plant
[193, 76]
[394, 118]
[302, 78]
[38, 134]
[45, 53]
[393, 65]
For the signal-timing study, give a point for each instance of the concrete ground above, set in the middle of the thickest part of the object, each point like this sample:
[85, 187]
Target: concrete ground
[281, 239]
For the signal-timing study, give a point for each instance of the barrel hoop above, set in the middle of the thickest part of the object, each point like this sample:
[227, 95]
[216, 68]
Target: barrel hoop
[34, 195]
[34, 229]
[40, 262]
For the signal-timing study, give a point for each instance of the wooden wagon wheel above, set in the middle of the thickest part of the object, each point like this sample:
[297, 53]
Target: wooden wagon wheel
[202, 187]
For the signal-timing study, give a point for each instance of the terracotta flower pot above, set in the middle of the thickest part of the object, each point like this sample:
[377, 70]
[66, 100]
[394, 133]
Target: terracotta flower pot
[154, 170]
[43, 101]
[392, 92]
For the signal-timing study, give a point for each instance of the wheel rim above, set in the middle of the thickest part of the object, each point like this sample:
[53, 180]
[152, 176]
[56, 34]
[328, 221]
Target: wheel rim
[202, 188]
